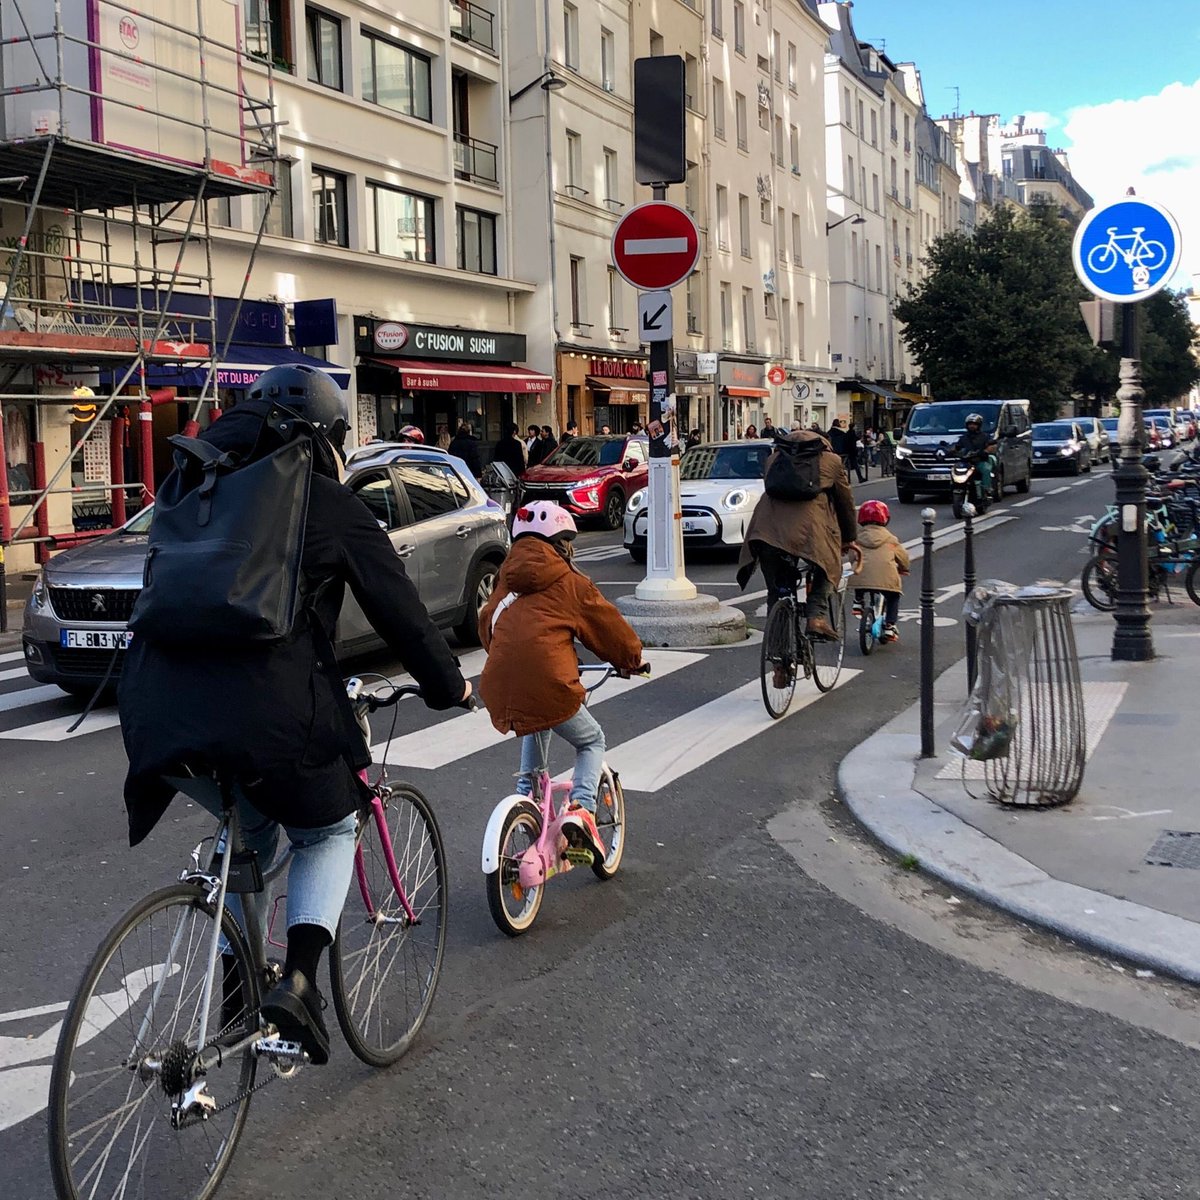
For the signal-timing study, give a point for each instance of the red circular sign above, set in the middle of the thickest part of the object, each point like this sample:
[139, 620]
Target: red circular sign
[655, 245]
[776, 375]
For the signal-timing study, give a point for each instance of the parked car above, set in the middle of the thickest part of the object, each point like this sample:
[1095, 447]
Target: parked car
[1061, 446]
[1165, 425]
[592, 476]
[1185, 425]
[719, 485]
[451, 536]
[1097, 438]
[933, 427]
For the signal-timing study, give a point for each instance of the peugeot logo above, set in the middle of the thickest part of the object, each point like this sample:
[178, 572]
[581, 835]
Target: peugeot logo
[99, 604]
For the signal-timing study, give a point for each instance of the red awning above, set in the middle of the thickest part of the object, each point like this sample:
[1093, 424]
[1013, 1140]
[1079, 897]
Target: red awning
[465, 377]
[760, 393]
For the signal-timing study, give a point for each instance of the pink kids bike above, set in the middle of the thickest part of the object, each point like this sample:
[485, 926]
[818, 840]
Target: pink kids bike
[525, 845]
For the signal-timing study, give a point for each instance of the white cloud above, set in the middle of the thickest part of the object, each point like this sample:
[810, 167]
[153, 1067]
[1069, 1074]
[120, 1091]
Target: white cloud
[1148, 144]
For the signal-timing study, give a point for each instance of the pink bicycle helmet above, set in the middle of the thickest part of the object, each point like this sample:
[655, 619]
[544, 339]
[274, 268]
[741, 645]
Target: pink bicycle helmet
[544, 519]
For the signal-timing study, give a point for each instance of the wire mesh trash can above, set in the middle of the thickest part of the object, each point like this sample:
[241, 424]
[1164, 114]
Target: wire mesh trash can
[1025, 719]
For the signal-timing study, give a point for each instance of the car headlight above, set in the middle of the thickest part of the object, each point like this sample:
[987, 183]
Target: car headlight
[637, 501]
[738, 498]
[1065, 451]
[40, 595]
[590, 481]
[903, 452]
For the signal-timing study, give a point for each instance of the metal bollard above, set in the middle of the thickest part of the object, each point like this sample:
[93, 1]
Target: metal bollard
[927, 750]
[969, 585]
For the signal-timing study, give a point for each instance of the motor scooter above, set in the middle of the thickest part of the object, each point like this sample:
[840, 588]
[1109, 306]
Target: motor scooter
[967, 482]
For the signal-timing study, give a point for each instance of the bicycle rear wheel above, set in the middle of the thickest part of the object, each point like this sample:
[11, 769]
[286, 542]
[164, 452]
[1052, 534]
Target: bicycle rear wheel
[1099, 582]
[513, 906]
[383, 970]
[827, 656]
[1192, 582]
[126, 1049]
[871, 608]
[778, 655]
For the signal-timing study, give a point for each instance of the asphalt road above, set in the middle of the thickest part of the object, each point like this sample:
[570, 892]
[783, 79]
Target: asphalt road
[759, 1004]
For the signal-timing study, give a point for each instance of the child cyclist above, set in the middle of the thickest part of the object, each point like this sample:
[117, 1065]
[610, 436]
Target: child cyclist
[542, 604]
[884, 561]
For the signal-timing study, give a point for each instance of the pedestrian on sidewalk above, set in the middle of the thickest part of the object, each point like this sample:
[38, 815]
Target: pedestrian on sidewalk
[884, 560]
[465, 445]
[768, 428]
[510, 450]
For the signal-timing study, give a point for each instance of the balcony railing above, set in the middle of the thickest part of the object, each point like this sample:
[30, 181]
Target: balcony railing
[470, 23]
[474, 160]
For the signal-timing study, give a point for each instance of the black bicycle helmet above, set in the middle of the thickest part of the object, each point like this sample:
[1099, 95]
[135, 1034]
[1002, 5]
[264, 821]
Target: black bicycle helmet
[974, 419]
[309, 394]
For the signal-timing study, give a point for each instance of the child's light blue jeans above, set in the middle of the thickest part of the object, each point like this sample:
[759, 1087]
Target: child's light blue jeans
[584, 733]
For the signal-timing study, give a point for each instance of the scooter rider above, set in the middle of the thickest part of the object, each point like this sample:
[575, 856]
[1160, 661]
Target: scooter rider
[978, 447]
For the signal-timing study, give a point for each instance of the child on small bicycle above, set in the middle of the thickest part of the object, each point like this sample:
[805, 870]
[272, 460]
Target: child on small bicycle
[542, 605]
[884, 560]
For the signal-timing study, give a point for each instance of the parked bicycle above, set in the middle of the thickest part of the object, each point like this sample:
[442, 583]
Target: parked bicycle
[160, 1049]
[525, 845]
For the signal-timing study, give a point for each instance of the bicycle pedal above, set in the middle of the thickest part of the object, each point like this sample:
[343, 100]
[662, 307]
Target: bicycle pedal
[578, 855]
[279, 1051]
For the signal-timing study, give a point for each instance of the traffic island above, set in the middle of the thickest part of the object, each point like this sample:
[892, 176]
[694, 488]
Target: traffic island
[702, 620]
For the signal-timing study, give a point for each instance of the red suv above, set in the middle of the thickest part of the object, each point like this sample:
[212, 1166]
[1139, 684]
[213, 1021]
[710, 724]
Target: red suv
[591, 476]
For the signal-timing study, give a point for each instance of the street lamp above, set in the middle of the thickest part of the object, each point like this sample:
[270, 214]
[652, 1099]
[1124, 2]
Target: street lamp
[854, 219]
[548, 81]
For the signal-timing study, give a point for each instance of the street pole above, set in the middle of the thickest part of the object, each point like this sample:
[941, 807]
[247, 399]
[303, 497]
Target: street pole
[1132, 641]
[969, 585]
[927, 516]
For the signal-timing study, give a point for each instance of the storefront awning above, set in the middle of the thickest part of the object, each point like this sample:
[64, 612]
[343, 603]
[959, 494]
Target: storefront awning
[605, 383]
[239, 367]
[465, 376]
[747, 392]
[874, 388]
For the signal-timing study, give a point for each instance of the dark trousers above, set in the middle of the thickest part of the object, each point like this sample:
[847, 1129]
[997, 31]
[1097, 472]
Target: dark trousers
[891, 609]
[780, 571]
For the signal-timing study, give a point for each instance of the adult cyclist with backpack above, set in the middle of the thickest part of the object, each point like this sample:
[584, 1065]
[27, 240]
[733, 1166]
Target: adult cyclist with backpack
[218, 687]
[806, 512]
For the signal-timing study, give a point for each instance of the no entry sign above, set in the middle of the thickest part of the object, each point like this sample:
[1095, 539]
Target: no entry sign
[655, 245]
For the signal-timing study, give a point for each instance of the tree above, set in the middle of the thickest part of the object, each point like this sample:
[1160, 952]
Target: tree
[1169, 367]
[998, 314]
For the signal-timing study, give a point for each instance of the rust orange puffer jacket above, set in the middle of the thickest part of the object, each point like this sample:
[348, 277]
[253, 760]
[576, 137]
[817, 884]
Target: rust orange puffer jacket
[531, 680]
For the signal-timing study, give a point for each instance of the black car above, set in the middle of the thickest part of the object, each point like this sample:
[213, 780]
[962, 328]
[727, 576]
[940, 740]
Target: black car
[1061, 446]
[936, 427]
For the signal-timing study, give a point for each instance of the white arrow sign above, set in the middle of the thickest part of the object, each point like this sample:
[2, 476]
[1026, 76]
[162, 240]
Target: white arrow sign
[654, 316]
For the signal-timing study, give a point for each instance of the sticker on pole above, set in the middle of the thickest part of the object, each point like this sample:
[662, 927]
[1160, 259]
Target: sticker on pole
[655, 246]
[1127, 251]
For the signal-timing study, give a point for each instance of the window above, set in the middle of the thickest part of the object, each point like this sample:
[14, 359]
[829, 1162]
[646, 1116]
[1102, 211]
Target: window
[719, 109]
[744, 225]
[615, 310]
[718, 18]
[693, 303]
[785, 332]
[400, 224]
[879, 268]
[578, 290]
[779, 140]
[220, 213]
[727, 316]
[794, 147]
[764, 209]
[575, 162]
[739, 26]
[571, 36]
[691, 83]
[257, 15]
[657, 49]
[396, 77]
[846, 105]
[908, 188]
[329, 207]
[608, 60]
[874, 128]
[748, 339]
[854, 255]
[764, 115]
[875, 192]
[612, 187]
[799, 331]
[796, 239]
[279, 219]
[324, 48]
[850, 176]
[769, 306]
[777, 56]
[861, 122]
[739, 114]
[791, 75]
[691, 191]
[433, 489]
[376, 491]
[722, 217]
[476, 241]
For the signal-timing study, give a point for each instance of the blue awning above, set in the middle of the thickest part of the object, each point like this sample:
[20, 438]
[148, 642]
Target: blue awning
[239, 367]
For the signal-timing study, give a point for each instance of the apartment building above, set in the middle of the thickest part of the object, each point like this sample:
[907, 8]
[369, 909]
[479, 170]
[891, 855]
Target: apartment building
[1040, 173]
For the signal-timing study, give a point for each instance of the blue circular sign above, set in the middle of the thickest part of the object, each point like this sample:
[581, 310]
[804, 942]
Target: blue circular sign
[1127, 251]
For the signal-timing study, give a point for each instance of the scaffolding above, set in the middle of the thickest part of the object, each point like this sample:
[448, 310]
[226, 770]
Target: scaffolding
[118, 129]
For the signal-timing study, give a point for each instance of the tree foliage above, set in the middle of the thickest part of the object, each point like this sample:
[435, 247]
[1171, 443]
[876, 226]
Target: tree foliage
[1169, 367]
[998, 315]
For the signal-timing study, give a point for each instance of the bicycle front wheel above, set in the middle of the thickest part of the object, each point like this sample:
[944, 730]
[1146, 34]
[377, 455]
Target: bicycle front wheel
[126, 1051]
[384, 969]
[1099, 582]
[779, 662]
[827, 656]
[1192, 582]
[610, 823]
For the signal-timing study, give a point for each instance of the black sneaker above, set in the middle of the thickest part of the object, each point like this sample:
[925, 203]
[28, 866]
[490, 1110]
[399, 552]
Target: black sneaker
[294, 1006]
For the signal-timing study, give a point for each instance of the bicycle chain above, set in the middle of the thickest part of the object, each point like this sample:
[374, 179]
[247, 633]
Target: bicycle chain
[246, 1093]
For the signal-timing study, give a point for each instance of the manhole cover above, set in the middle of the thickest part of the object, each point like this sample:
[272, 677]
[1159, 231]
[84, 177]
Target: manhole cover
[1175, 848]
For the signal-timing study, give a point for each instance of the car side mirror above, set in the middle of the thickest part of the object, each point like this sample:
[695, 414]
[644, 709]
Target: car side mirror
[630, 464]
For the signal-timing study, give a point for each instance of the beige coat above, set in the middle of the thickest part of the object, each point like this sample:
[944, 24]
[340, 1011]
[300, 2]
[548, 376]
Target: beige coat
[814, 530]
[883, 560]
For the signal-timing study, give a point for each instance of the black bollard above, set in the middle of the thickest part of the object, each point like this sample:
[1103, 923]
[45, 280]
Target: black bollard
[927, 516]
[969, 584]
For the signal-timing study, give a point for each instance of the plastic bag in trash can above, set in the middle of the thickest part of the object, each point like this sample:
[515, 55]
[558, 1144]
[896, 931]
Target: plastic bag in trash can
[989, 721]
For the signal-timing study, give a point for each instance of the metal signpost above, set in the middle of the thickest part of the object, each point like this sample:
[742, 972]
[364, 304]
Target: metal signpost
[1125, 252]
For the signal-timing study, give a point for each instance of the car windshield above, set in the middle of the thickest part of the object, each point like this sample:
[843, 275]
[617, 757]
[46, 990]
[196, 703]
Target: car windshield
[1052, 433]
[947, 418]
[587, 452]
[725, 462]
[140, 523]
[1109, 423]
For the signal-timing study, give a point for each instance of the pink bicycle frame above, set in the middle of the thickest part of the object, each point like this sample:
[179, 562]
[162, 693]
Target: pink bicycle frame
[389, 857]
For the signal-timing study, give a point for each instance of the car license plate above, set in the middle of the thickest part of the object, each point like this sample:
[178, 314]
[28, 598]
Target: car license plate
[94, 639]
[690, 527]
[939, 470]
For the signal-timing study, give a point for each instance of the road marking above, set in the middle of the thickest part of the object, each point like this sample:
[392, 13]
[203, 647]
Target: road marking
[600, 553]
[15, 673]
[948, 593]
[1059, 490]
[955, 534]
[28, 696]
[1023, 503]
[1085, 479]
[439, 745]
[57, 729]
[16, 656]
[42, 1010]
[749, 597]
[667, 245]
[655, 759]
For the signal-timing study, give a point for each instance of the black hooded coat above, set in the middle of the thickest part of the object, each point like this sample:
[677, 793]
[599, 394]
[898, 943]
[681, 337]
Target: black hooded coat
[275, 715]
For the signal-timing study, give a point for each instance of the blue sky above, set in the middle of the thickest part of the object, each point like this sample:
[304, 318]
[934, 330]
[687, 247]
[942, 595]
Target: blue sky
[1114, 82]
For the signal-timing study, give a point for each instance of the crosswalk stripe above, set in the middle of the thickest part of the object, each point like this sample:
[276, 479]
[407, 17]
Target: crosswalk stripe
[28, 696]
[656, 758]
[55, 730]
[15, 673]
[14, 656]
[471, 733]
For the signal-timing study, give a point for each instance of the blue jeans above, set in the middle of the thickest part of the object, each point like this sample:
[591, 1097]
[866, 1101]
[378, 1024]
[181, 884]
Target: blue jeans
[321, 867]
[584, 733]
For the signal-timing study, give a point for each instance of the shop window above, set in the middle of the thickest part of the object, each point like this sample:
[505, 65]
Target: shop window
[476, 241]
[376, 491]
[430, 489]
[19, 436]
[396, 77]
[324, 48]
[400, 223]
[329, 207]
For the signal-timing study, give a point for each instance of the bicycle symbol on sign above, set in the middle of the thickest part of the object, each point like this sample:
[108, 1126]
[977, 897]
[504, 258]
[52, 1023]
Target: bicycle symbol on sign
[1140, 255]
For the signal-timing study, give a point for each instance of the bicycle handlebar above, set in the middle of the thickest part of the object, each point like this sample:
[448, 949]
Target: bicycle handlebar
[373, 701]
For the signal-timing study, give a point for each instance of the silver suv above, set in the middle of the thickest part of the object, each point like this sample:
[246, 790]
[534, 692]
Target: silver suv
[451, 535]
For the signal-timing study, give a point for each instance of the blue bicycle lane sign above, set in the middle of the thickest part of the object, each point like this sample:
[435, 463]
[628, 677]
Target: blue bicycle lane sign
[1127, 251]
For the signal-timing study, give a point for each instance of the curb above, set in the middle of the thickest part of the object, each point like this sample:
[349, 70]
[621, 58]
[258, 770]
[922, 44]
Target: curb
[875, 782]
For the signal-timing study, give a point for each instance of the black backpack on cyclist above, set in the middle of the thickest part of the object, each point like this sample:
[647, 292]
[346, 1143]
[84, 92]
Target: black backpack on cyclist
[794, 471]
[226, 542]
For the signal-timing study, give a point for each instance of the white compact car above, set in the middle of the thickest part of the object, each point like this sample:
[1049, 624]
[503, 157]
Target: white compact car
[720, 483]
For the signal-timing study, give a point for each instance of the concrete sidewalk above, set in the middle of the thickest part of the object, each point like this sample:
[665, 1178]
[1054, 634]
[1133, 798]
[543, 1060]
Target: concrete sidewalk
[1090, 870]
